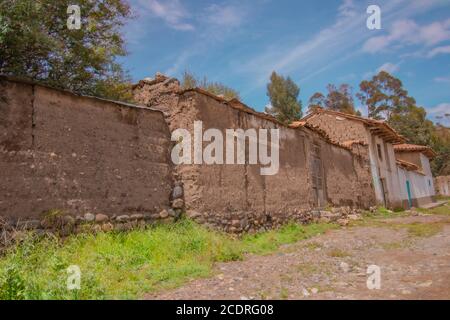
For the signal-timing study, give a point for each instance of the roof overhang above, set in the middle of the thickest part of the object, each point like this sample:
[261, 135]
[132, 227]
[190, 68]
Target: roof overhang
[376, 127]
[404, 147]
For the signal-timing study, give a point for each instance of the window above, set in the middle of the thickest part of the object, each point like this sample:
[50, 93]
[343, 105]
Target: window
[429, 183]
[380, 155]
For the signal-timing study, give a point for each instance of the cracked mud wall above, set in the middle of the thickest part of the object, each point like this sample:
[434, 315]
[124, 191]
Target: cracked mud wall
[231, 195]
[79, 154]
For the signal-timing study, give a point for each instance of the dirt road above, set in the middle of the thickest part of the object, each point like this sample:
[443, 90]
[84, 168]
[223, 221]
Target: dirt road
[413, 254]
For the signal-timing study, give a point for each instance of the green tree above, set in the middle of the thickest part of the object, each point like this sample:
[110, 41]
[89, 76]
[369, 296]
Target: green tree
[189, 81]
[441, 144]
[337, 99]
[411, 122]
[386, 99]
[316, 101]
[36, 43]
[283, 94]
[383, 94]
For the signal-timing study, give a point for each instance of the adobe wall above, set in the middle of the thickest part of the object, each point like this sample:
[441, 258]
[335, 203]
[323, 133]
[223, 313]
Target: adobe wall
[107, 162]
[238, 197]
[80, 155]
[341, 129]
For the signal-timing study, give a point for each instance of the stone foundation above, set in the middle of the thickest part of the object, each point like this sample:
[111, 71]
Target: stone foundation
[248, 222]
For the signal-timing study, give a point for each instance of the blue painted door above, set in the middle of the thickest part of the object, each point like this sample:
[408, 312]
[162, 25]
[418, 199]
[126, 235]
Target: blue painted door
[408, 189]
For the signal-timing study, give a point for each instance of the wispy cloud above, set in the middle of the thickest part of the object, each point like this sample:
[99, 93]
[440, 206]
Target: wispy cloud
[224, 15]
[438, 50]
[172, 12]
[330, 46]
[287, 58]
[214, 24]
[439, 110]
[389, 67]
[408, 32]
[442, 79]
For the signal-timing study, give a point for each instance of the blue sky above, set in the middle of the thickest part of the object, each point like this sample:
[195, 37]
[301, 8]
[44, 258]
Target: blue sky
[239, 43]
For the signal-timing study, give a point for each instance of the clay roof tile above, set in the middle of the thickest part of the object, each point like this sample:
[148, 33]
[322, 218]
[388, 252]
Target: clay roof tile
[406, 147]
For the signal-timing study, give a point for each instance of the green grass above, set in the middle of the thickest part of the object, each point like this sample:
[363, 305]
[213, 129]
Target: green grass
[443, 210]
[284, 293]
[423, 229]
[113, 265]
[127, 265]
[267, 242]
[374, 218]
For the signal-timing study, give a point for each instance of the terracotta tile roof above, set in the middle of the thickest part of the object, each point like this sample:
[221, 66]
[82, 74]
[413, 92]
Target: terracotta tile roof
[350, 143]
[297, 124]
[407, 165]
[378, 127]
[405, 147]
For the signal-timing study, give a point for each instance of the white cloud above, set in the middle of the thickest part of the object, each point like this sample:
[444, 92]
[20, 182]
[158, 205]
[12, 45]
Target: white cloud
[347, 9]
[438, 113]
[442, 79]
[171, 12]
[227, 16]
[407, 32]
[438, 50]
[329, 46]
[328, 42]
[388, 67]
[440, 109]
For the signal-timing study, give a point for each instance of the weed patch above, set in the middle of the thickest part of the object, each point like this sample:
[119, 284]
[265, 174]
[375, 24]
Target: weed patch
[126, 265]
[267, 242]
[423, 229]
[338, 253]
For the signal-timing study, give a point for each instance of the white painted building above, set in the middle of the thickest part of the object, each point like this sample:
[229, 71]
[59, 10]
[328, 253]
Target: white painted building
[414, 173]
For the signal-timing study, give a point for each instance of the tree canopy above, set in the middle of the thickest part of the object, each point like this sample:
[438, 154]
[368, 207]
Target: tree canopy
[337, 99]
[386, 99]
[283, 94]
[36, 43]
[383, 94]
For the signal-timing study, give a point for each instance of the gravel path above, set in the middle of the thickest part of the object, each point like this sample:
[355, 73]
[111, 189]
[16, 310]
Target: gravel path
[334, 266]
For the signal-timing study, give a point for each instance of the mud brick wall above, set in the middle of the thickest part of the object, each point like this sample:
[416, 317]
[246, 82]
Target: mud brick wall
[237, 197]
[341, 129]
[79, 154]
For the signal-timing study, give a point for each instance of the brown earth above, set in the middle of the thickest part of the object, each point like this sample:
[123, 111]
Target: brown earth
[413, 253]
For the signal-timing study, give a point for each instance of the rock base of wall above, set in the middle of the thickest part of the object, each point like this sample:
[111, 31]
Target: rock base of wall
[64, 225]
[245, 222]
[236, 223]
